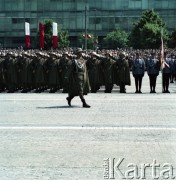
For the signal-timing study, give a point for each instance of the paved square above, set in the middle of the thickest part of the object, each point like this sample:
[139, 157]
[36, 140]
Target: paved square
[42, 138]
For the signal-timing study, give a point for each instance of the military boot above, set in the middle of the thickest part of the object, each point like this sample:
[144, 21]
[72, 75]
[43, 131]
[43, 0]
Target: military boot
[69, 100]
[85, 105]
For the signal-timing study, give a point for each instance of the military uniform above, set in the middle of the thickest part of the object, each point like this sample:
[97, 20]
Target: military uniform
[39, 74]
[10, 73]
[138, 70]
[78, 80]
[153, 67]
[2, 80]
[53, 74]
[166, 74]
[122, 73]
[63, 66]
[93, 67]
[172, 69]
[107, 66]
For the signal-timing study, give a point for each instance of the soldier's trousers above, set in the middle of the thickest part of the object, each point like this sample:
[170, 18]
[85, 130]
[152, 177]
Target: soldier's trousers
[166, 78]
[152, 78]
[138, 82]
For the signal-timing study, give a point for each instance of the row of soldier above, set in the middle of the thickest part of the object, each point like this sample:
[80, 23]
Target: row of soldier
[42, 70]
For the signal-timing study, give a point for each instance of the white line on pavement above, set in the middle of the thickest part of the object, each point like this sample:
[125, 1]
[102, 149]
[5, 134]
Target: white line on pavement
[82, 128]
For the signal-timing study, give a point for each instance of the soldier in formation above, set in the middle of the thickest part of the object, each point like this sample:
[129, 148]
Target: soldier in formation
[37, 71]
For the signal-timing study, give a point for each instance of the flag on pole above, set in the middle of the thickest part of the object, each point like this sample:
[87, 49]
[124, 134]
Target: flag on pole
[162, 54]
[55, 35]
[27, 35]
[88, 36]
[42, 34]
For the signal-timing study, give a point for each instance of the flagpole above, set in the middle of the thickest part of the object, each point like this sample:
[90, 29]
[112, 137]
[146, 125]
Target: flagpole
[86, 26]
[162, 59]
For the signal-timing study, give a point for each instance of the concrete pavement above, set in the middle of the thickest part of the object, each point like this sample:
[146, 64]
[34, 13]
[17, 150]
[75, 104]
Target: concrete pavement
[42, 138]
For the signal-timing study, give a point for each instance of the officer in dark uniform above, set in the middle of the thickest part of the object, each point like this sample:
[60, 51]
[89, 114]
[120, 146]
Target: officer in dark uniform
[2, 80]
[138, 70]
[153, 67]
[167, 69]
[77, 77]
[172, 68]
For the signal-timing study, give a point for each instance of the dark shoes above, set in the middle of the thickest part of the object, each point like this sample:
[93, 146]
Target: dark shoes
[138, 91]
[69, 101]
[167, 91]
[85, 105]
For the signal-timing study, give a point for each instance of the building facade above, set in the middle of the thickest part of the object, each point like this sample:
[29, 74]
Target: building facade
[102, 16]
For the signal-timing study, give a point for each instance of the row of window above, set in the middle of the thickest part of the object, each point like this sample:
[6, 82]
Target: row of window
[16, 25]
[60, 5]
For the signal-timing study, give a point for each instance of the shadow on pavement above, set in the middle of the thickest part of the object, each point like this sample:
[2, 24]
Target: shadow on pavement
[58, 107]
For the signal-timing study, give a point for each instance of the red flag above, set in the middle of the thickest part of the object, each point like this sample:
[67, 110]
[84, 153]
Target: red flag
[27, 35]
[55, 35]
[88, 36]
[42, 33]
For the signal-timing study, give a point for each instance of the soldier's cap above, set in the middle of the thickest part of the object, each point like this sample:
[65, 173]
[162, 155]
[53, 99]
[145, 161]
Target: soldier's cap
[26, 54]
[39, 53]
[94, 53]
[9, 53]
[15, 54]
[65, 53]
[108, 53]
[51, 54]
[122, 54]
[79, 50]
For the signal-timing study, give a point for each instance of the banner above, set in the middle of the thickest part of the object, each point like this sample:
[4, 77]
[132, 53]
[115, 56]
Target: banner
[27, 35]
[42, 33]
[55, 35]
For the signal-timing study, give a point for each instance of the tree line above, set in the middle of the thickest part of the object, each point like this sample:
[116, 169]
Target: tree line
[145, 34]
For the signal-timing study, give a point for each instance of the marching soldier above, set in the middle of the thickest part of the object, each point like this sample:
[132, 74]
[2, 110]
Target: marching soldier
[153, 67]
[77, 77]
[138, 70]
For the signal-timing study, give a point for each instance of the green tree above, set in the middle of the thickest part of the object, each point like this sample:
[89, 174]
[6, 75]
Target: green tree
[117, 38]
[172, 40]
[48, 38]
[63, 41]
[48, 25]
[146, 32]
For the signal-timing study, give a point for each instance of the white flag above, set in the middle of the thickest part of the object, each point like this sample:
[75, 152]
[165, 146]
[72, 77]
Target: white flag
[55, 29]
[27, 29]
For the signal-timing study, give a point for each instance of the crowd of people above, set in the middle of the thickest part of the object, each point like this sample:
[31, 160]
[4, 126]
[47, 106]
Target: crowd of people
[39, 70]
